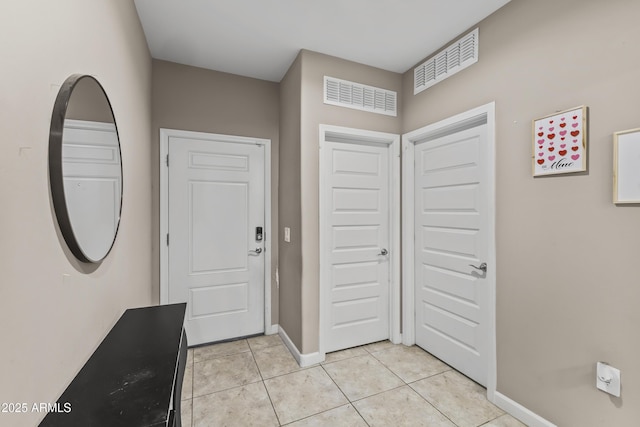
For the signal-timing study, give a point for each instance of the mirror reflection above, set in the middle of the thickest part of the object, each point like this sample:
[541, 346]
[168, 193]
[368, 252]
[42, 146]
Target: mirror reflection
[90, 170]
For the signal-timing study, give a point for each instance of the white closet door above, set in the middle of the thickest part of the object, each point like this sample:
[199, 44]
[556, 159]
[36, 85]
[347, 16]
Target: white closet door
[357, 210]
[451, 235]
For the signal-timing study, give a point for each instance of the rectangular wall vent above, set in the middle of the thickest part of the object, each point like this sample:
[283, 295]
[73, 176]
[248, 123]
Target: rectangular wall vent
[361, 97]
[456, 57]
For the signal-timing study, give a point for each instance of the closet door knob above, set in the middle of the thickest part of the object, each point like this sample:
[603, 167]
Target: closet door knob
[482, 267]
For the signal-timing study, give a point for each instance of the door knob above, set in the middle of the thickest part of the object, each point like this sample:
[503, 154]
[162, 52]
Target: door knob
[383, 252]
[256, 251]
[482, 267]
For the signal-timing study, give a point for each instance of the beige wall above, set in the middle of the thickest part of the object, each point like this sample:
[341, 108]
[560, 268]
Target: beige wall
[567, 279]
[313, 113]
[196, 99]
[290, 211]
[54, 311]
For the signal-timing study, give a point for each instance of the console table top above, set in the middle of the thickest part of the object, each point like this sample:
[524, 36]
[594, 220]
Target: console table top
[128, 381]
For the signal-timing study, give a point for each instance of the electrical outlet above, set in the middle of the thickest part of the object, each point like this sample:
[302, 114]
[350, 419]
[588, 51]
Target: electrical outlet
[608, 379]
[287, 234]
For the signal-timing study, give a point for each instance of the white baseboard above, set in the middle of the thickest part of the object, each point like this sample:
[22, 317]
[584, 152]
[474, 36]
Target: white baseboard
[271, 329]
[303, 360]
[396, 339]
[518, 411]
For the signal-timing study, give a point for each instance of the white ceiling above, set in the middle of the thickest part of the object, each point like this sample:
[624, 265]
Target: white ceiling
[261, 38]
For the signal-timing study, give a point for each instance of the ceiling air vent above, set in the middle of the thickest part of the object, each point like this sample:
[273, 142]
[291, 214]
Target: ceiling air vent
[361, 97]
[449, 61]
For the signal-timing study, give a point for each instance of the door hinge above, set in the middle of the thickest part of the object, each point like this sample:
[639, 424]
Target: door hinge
[167, 239]
[167, 160]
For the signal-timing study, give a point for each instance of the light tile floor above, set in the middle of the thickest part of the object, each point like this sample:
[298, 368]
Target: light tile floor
[257, 382]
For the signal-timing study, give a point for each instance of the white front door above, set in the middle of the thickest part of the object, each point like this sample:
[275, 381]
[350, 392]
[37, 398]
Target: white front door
[216, 255]
[356, 210]
[451, 236]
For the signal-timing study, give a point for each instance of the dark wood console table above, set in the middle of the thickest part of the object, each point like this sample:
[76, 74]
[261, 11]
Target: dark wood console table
[134, 378]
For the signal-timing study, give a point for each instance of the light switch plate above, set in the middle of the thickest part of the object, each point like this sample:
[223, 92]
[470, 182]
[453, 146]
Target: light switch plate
[287, 234]
[608, 379]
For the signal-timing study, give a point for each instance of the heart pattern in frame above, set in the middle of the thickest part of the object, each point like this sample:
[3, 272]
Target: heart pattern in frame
[565, 128]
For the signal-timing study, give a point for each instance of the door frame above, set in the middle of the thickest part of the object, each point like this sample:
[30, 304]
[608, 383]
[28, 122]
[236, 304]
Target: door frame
[165, 135]
[360, 136]
[459, 122]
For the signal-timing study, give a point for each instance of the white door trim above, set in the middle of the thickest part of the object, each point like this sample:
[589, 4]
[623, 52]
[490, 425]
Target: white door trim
[165, 134]
[371, 137]
[444, 127]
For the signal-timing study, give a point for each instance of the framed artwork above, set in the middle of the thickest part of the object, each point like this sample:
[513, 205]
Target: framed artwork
[560, 142]
[626, 166]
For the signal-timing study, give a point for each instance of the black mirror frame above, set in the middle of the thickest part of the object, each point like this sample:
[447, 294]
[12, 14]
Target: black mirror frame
[56, 177]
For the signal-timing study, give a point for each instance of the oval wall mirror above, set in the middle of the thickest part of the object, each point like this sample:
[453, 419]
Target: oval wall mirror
[85, 168]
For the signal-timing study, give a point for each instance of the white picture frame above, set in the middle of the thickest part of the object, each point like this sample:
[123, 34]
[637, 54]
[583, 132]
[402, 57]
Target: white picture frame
[626, 166]
[560, 142]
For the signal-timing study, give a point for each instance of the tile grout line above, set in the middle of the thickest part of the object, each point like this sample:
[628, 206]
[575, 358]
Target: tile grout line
[264, 385]
[404, 384]
[344, 394]
[351, 402]
[451, 369]
[426, 400]
[334, 383]
[193, 374]
[221, 356]
[367, 353]
[375, 394]
[487, 422]
[434, 407]
[253, 356]
[384, 367]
